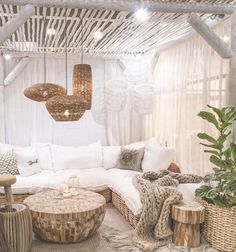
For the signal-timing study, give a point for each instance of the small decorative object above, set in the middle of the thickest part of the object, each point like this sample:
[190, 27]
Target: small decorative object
[43, 91]
[63, 188]
[74, 191]
[67, 194]
[187, 218]
[82, 82]
[15, 219]
[218, 195]
[73, 181]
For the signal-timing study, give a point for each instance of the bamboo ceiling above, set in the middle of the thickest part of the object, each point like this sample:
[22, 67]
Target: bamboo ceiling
[122, 33]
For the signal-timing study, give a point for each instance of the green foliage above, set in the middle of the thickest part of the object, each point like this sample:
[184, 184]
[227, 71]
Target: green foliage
[220, 186]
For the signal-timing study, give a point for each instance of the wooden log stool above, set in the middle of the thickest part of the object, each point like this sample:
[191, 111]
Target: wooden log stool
[187, 218]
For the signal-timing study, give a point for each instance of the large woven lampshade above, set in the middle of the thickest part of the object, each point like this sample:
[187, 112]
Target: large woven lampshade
[82, 82]
[66, 107]
[43, 91]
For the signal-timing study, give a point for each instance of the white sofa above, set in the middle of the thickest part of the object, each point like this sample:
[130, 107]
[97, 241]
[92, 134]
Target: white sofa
[93, 164]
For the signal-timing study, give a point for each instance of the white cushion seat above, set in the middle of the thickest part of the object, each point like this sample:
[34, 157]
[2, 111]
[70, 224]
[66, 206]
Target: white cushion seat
[33, 184]
[94, 179]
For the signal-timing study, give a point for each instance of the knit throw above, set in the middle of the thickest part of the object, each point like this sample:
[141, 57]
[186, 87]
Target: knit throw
[157, 192]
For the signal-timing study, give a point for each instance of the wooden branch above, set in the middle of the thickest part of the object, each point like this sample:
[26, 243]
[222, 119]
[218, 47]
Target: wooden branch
[211, 38]
[131, 5]
[16, 71]
[12, 25]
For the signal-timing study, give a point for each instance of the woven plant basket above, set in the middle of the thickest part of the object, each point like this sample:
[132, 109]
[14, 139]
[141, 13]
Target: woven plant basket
[220, 227]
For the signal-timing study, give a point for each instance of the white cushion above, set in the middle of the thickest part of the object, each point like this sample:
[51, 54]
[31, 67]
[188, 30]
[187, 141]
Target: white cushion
[44, 154]
[110, 156]
[95, 179]
[111, 153]
[5, 148]
[157, 158]
[33, 184]
[27, 160]
[81, 157]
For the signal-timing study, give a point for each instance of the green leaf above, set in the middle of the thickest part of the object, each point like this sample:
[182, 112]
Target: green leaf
[220, 202]
[212, 152]
[214, 146]
[205, 136]
[217, 161]
[219, 112]
[210, 118]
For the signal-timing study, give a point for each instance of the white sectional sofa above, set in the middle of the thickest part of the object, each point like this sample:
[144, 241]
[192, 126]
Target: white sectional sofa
[93, 164]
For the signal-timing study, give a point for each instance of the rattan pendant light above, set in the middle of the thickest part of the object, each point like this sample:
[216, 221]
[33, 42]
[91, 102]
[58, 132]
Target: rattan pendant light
[44, 91]
[82, 77]
[66, 107]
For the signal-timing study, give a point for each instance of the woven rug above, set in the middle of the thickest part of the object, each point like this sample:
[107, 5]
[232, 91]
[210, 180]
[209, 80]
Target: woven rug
[109, 240]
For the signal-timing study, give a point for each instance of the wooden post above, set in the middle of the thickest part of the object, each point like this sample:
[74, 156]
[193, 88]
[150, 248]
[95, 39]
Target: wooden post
[232, 64]
[2, 110]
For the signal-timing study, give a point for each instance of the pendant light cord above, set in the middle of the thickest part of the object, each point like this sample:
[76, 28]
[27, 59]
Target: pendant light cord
[65, 34]
[44, 53]
[82, 45]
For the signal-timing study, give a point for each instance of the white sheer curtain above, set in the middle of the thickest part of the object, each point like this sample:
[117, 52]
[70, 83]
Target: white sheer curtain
[128, 125]
[189, 76]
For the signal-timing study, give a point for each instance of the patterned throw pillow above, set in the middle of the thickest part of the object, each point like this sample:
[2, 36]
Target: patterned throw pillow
[130, 159]
[8, 163]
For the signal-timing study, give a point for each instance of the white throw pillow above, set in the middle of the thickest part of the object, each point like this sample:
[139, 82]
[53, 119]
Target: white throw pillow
[110, 156]
[44, 155]
[27, 160]
[157, 158]
[81, 157]
[5, 148]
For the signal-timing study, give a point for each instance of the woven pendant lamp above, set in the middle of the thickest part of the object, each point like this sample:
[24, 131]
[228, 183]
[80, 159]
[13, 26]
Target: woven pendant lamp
[66, 107]
[82, 82]
[44, 91]
[82, 77]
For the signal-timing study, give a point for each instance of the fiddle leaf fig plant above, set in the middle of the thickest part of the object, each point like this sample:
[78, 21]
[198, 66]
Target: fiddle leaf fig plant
[220, 186]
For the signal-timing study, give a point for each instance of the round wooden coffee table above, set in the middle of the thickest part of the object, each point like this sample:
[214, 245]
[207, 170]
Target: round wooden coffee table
[62, 220]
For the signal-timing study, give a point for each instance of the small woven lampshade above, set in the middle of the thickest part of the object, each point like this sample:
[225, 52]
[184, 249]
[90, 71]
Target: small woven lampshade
[43, 91]
[66, 107]
[82, 82]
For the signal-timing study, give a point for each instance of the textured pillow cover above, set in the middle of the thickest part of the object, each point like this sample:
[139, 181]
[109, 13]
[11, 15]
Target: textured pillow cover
[8, 163]
[27, 160]
[130, 159]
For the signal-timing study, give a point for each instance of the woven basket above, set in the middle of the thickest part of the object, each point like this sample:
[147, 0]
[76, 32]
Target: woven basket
[220, 227]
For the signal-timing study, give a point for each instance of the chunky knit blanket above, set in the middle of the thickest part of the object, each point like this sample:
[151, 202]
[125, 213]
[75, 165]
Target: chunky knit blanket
[158, 192]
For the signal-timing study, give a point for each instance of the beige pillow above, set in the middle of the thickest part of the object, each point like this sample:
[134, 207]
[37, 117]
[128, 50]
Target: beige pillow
[130, 159]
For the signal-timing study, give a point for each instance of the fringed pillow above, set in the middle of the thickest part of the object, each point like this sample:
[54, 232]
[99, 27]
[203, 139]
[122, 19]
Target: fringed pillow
[130, 159]
[8, 163]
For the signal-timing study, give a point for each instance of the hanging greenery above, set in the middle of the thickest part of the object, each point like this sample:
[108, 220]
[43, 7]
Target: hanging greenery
[220, 186]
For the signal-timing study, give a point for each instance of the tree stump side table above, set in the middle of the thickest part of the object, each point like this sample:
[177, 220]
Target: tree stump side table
[66, 220]
[187, 218]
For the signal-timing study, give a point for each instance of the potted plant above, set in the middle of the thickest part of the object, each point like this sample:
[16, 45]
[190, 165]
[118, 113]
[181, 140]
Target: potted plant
[218, 194]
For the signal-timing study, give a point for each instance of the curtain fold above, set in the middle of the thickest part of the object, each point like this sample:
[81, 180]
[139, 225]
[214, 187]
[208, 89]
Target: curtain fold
[189, 76]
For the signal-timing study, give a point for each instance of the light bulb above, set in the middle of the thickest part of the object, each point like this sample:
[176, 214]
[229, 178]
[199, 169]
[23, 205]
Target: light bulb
[51, 31]
[97, 35]
[67, 113]
[7, 56]
[142, 15]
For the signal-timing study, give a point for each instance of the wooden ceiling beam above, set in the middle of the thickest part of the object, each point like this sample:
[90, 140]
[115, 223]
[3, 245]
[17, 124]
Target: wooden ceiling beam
[210, 36]
[17, 21]
[131, 6]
